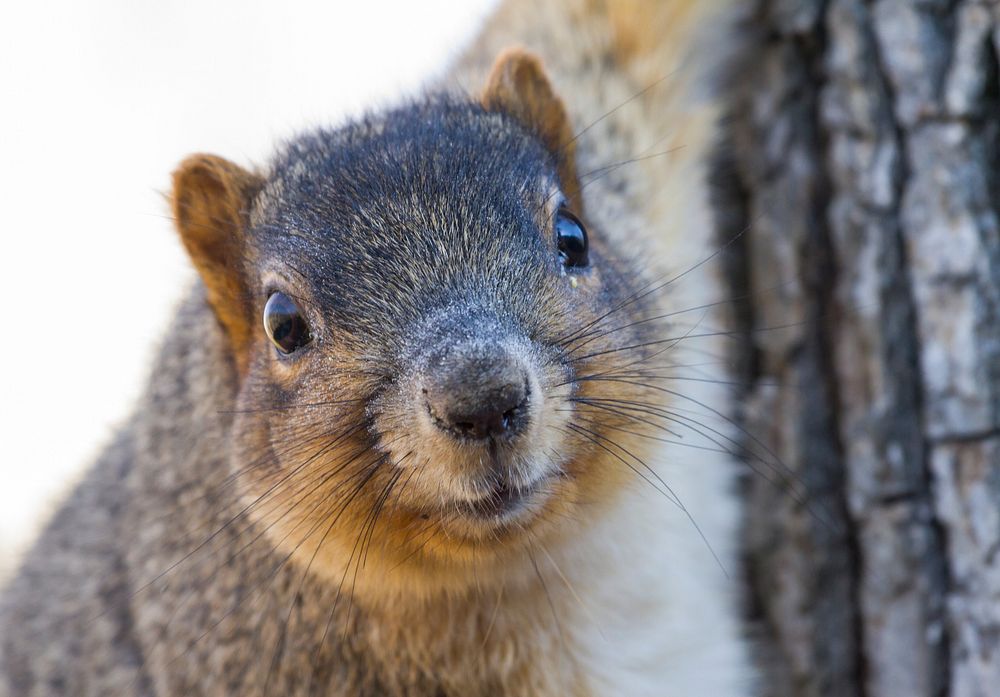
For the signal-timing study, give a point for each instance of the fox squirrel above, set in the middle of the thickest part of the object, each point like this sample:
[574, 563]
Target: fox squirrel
[416, 430]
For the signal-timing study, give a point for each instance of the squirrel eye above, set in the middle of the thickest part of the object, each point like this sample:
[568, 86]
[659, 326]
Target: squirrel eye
[284, 324]
[572, 239]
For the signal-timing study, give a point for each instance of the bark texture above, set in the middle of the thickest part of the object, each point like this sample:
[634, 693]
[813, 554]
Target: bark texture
[864, 165]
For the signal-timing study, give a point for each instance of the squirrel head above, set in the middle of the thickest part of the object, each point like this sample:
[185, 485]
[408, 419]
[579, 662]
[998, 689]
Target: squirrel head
[417, 305]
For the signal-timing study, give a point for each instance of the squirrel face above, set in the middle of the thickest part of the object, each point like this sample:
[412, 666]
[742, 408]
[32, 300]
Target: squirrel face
[414, 305]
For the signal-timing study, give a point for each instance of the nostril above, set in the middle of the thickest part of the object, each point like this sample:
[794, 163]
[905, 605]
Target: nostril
[493, 414]
[466, 426]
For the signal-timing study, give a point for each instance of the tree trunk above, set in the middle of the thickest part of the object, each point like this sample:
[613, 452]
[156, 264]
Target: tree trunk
[864, 167]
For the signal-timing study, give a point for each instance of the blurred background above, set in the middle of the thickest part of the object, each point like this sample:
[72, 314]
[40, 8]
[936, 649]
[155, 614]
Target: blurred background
[101, 100]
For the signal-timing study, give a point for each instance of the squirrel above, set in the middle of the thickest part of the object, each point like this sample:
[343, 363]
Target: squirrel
[417, 430]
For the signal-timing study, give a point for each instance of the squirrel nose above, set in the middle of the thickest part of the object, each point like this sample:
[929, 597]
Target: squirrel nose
[478, 393]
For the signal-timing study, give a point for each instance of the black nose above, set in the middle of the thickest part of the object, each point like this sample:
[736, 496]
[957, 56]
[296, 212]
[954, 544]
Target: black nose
[478, 393]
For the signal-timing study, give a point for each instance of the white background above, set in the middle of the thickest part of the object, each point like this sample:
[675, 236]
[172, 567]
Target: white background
[98, 102]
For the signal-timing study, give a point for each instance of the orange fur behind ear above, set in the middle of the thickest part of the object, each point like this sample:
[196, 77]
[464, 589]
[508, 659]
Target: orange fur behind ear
[211, 199]
[518, 86]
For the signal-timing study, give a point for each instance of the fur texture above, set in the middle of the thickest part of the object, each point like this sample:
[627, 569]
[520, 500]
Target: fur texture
[296, 525]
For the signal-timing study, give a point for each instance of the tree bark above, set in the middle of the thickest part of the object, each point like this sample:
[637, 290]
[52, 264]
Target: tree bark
[859, 191]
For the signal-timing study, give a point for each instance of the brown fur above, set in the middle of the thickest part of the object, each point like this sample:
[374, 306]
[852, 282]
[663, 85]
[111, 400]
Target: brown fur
[210, 202]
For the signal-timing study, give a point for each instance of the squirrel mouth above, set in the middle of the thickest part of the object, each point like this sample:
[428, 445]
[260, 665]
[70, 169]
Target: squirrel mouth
[498, 501]
[502, 502]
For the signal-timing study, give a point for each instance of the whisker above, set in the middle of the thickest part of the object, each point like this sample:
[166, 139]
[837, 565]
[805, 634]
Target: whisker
[289, 407]
[548, 597]
[672, 497]
[229, 522]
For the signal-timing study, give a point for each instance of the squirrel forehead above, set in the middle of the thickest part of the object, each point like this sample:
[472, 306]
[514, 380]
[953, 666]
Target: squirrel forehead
[432, 157]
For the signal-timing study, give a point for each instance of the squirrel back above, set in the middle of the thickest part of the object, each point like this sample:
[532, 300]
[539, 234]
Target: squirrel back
[447, 461]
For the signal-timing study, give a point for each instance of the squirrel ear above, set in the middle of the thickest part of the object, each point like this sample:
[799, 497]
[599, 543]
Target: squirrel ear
[518, 86]
[211, 200]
